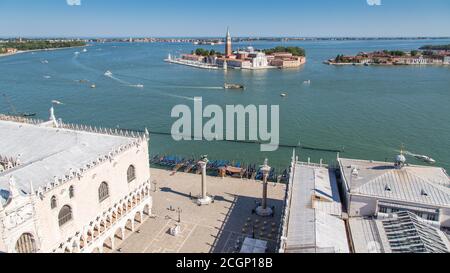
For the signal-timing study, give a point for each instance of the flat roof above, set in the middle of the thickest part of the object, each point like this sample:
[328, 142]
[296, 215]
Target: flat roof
[47, 152]
[313, 227]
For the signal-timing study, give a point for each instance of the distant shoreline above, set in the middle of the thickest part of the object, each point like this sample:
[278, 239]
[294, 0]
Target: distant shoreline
[37, 50]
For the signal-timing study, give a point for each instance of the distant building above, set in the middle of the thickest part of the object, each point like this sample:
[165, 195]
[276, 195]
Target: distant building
[286, 60]
[312, 221]
[446, 60]
[11, 50]
[379, 188]
[259, 59]
[193, 57]
[70, 188]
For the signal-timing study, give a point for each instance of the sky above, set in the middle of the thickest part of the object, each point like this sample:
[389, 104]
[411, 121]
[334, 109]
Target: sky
[202, 18]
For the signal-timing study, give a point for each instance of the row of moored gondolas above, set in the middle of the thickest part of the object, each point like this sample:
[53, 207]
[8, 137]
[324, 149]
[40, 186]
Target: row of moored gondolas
[189, 165]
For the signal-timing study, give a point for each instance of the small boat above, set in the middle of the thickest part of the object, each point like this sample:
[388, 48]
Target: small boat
[84, 50]
[108, 73]
[139, 85]
[23, 115]
[308, 82]
[233, 86]
[44, 62]
[425, 158]
[76, 53]
[47, 77]
[93, 86]
[283, 95]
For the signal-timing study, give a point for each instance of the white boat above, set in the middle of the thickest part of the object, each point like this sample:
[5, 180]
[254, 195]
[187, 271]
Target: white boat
[108, 73]
[84, 50]
[308, 82]
[425, 158]
[44, 62]
[233, 86]
[76, 53]
[139, 85]
[283, 95]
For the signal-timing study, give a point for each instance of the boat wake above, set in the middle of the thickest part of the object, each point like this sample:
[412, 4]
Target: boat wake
[423, 158]
[110, 75]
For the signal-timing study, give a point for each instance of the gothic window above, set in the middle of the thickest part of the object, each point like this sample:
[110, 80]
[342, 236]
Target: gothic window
[65, 215]
[53, 203]
[131, 173]
[71, 192]
[26, 244]
[103, 192]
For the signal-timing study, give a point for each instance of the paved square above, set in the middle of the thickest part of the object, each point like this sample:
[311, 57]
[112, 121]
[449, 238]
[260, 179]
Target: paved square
[217, 228]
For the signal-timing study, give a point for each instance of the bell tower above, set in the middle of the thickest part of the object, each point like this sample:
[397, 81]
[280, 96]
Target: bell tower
[228, 46]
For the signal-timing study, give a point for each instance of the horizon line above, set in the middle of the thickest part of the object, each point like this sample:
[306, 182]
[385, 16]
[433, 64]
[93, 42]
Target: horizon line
[220, 37]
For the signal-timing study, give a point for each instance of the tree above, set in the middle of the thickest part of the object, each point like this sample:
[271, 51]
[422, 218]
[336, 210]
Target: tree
[294, 50]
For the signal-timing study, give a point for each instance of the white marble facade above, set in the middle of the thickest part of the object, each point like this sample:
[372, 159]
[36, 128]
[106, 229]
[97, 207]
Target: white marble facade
[83, 192]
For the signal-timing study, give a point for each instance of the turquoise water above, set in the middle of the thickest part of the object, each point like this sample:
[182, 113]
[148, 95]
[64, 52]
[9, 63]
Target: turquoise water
[370, 111]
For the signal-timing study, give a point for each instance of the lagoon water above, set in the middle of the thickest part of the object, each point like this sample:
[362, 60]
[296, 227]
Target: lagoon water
[371, 111]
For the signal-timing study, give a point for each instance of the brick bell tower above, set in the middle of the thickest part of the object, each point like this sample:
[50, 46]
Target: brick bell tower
[228, 46]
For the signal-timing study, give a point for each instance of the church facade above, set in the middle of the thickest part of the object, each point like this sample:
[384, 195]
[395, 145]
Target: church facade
[70, 188]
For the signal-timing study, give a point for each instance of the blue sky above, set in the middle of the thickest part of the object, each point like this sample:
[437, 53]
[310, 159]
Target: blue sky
[311, 18]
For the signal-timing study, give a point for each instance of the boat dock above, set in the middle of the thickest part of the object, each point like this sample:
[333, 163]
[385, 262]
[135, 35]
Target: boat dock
[220, 168]
[191, 63]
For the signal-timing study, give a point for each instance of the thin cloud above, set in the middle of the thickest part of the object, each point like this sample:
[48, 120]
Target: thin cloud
[374, 2]
[73, 2]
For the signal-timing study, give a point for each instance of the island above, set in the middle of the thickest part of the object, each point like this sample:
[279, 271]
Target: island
[426, 55]
[11, 47]
[247, 58]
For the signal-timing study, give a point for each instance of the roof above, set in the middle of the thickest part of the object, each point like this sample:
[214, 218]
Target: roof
[312, 226]
[417, 184]
[403, 232]
[47, 152]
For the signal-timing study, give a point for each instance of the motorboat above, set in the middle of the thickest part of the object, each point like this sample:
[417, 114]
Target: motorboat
[283, 95]
[108, 73]
[233, 86]
[425, 158]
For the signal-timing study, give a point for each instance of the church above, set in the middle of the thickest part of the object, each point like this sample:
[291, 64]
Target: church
[67, 188]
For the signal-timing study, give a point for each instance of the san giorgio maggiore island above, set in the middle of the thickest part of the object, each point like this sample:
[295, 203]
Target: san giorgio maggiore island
[248, 58]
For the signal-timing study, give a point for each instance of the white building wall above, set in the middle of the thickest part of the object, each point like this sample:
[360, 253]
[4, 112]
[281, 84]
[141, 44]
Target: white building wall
[85, 205]
[17, 218]
[445, 217]
[362, 206]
